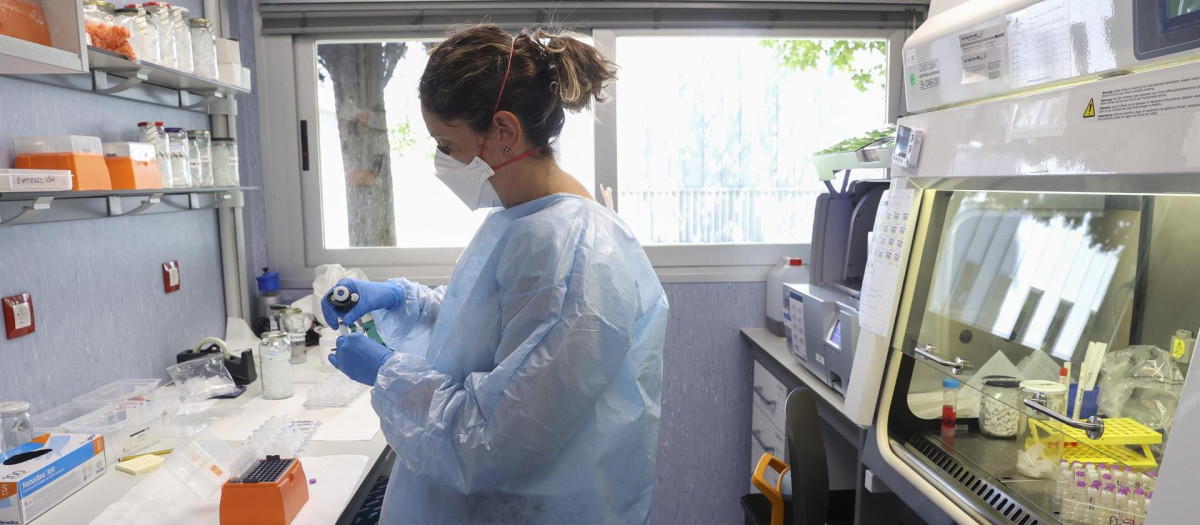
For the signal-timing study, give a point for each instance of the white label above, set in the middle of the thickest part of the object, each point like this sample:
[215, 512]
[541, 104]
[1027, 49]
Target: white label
[928, 75]
[37, 181]
[1039, 44]
[983, 54]
[173, 276]
[910, 58]
[820, 359]
[194, 163]
[796, 311]
[233, 161]
[1145, 100]
[22, 317]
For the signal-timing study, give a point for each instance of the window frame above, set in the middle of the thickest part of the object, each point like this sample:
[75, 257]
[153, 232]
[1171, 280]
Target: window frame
[296, 251]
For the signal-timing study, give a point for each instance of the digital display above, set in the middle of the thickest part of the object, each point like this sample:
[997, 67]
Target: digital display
[1177, 14]
[835, 334]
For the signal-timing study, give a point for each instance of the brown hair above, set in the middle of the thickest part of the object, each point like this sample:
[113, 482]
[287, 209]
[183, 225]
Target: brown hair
[550, 73]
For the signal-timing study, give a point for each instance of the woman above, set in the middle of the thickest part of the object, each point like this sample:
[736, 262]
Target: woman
[527, 389]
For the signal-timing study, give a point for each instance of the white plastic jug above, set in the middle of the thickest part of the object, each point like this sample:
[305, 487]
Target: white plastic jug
[788, 270]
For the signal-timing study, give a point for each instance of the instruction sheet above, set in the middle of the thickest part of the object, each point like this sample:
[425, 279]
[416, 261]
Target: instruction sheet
[885, 262]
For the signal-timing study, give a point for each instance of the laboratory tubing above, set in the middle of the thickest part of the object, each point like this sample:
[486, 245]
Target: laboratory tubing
[15, 428]
[158, 15]
[201, 147]
[183, 38]
[997, 412]
[275, 356]
[225, 163]
[204, 48]
[949, 406]
[177, 141]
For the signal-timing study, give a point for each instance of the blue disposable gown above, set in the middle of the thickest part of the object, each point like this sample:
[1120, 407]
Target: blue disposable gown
[527, 390]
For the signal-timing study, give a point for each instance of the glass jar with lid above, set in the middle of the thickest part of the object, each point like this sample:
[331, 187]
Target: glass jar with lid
[204, 48]
[1039, 436]
[225, 163]
[15, 429]
[98, 16]
[293, 322]
[177, 142]
[998, 412]
[158, 16]
[142, 36]
[201, 147]
[183, 39]
[275, 358]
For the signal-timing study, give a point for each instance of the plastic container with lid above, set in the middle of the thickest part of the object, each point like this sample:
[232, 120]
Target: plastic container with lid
[204, 48]
[225, 163]
[56, 419]
[158, 15]
[126, 429]
[949, 406]
[25, 20]
[123, 390]
[177, 142]
[82, 156]
[132, 165]
[15, 428]
[183, 38]
[200, 158]
[998, 412]
[787, 270]
[34, 180]
[1040, 437]
[142, 35]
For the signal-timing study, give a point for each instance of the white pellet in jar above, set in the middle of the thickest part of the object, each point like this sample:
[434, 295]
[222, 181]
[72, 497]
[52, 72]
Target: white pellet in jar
[998, 416]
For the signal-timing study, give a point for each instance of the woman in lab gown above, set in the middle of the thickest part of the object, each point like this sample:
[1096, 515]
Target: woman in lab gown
[527, 389]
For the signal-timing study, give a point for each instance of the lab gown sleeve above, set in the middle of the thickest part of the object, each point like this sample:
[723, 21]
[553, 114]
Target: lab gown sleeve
[406, 327]
[569, 306]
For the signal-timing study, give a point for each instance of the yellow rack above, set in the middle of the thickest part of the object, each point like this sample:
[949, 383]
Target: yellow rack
[1119, 433]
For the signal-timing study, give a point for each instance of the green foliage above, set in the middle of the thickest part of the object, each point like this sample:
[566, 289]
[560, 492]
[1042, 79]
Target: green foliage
[803, 55]
[401, 137]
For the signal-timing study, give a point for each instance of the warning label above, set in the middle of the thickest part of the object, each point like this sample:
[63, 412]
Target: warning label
[1146, 100]
[929, 74]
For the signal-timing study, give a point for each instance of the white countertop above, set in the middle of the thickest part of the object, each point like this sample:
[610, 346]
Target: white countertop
[84, 505]
[776, 347]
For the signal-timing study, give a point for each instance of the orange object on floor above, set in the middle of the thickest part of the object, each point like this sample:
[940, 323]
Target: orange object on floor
[23, 19]
[272, 494]
[132, 166]
[90, 170]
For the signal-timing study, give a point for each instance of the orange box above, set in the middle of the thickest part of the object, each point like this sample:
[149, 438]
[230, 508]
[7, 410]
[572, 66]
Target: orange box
[273, 499]
[82, 156]
[23, 19]
[132, 166]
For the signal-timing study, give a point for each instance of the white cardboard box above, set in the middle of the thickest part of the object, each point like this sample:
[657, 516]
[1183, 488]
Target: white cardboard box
[46, 471]
[229, 51]
[229, 74]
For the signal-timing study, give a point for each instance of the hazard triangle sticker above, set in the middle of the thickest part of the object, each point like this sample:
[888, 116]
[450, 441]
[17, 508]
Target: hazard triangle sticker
[1091, 109]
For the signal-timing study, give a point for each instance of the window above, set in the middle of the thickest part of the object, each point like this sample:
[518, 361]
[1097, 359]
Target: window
[715, 134]
[370, 128]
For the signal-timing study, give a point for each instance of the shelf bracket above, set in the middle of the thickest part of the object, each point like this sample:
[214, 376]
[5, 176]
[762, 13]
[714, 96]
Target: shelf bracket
[114, 205]
[187, 98]
[27, 212]
[133, 77]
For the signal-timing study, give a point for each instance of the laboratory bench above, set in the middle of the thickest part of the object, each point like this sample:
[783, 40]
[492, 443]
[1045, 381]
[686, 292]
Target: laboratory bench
[776, 374]
[83, 506]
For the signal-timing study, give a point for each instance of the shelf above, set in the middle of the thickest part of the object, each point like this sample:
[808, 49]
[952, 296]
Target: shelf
[117, 65]
[37, 207]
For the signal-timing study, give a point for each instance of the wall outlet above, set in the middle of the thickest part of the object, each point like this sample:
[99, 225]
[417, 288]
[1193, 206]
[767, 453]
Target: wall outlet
[18, 315]
[170, 274]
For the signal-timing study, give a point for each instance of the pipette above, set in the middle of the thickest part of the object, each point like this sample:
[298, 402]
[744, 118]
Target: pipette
[343, 299]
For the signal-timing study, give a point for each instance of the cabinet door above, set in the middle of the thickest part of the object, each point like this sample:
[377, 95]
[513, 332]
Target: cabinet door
[769, 395]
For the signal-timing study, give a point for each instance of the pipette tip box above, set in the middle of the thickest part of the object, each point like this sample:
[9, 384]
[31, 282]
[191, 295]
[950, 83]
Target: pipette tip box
[40, 474]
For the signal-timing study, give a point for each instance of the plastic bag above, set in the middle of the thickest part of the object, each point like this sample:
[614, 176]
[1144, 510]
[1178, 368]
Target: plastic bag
[1141, 382]
[200, 379]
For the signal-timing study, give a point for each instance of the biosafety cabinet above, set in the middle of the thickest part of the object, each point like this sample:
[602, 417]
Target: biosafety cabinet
[1056, 224]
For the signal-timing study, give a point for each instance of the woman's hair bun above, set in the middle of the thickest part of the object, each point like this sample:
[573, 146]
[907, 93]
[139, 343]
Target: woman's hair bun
[579, 70]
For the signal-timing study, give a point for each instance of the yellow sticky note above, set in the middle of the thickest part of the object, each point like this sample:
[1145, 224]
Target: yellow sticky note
[140, 465]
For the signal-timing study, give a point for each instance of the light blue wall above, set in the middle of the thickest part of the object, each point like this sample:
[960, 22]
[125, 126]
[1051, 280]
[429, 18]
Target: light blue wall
[97, 284]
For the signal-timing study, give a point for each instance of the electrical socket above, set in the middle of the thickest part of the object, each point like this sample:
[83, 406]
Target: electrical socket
[18, 315]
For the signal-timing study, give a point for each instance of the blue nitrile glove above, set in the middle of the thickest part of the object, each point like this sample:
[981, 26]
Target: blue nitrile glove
[359, 358]
[371, 296]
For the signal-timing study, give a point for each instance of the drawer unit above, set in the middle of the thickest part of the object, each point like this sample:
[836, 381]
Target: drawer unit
[769, 396]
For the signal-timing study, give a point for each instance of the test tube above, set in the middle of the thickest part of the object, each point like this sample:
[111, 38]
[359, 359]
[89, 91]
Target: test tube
[949, 403]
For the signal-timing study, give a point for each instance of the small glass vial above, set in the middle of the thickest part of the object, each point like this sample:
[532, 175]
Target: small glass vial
[177, 141]
[275, 356]
[293, 323]
[158, 15]
[201, 142]
[15, 429]
[225, 163]
[204, 48]
[949, 406]
[183, 39]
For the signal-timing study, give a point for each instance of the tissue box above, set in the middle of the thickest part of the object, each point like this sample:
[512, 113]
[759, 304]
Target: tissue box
[40, 474]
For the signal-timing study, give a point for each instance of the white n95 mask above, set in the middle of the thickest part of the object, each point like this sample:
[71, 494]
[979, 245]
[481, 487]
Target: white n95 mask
[468, 181]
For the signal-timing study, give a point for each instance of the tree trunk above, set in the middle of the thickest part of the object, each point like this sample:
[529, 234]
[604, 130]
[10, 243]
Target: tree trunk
[359, 73]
